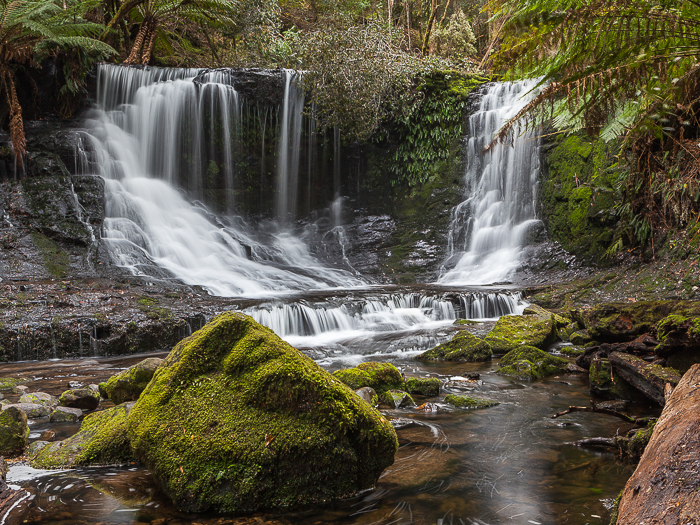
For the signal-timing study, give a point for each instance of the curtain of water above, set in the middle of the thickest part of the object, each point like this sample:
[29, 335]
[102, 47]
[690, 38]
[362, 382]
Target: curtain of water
[489, 229]
[159, 130]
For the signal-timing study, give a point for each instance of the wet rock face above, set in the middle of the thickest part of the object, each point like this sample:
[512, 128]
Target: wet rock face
[237, 420]
[14, 432]
[665, 488]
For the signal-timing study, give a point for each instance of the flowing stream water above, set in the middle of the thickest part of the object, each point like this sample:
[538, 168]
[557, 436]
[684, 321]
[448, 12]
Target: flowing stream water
[154, 137]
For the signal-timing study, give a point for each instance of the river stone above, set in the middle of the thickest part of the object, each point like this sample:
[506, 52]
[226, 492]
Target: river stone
[39, 398]
[665, 487]
[368, 394]
[423, 387]
[536, 327]
[85, 398]
[380, 376]
[9, 384]
[65, 414]
[14, 432]
[462, 347]
[33, 410]
[101, 440]
[236, 420]
[128, 385]
[528, 363]
[398, 399]
[469, 402]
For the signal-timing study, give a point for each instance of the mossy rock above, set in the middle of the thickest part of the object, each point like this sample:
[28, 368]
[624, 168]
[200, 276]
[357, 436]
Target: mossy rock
[380, 376]
[571, 351]
[615, 322]
[236, 420]
[14, 432]
[101, 440]
[8, 384]
[608, 384]
[39, 398]
[468, 402]
[462, 347]
[398, 399]
[528, 363]
[423, 387]
[639, 441]
[679, 333]
[465, 322]
[536, 327]
[128, 384]
[580, 338]
[83, 398]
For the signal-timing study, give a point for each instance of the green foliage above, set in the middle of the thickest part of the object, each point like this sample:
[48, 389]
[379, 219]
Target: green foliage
[433, 125]
[456, 39]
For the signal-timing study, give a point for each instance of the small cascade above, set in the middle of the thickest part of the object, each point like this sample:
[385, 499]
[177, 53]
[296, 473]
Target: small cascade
[308, 324]
[160, 130]
[489, 230]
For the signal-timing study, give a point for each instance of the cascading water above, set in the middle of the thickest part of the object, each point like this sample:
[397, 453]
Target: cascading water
[489, 229]
[161, 129]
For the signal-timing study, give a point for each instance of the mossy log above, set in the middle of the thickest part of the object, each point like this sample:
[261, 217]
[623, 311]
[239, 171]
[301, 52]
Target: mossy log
[648, 378]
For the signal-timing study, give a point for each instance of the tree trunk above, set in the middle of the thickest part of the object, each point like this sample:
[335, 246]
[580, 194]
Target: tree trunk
[148, 45]
[135, 55]
[426, 39]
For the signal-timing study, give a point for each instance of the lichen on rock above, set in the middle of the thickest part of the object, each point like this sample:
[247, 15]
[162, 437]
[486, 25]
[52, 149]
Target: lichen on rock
[237, 420]
[462, 347]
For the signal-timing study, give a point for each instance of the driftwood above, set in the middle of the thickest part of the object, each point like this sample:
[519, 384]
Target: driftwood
[649, 379]
[596, 442]
[600, 410]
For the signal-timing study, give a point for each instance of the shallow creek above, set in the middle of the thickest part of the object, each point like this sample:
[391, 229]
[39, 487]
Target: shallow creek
[507, 464]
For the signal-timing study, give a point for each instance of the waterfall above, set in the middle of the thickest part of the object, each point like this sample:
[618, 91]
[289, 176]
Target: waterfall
[158, 131]
[489, 229]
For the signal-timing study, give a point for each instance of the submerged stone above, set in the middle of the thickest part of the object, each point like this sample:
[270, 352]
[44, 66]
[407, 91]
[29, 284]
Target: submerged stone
[237, 420]
[536, 327]
[468, 402]
[463, 347]
[101, 440]
[423, 387]
[380, 376]
[14, 432]
[528, 363]
[128, 385]
[368, 394]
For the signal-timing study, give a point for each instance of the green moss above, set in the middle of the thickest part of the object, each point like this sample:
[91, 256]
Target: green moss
[235, 420]
[638, 443]
[398, 399]
[55, 259]
[580, 338]
[571, 351]
[468, 402]
[380, 376]
[465, 322]
[10, 383]
[528, 363]
[14, 432]
[606, 383]
[128, 385]
[462, 347]
[537, 328]
[101, 440]
[423, 387]
[615, 511]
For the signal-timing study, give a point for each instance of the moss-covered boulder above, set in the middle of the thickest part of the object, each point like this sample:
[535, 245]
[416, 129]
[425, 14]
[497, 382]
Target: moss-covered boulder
[128, 385]
[65, 415]
[83, 398]
[9, 384]
[380, 376]
[679, 341]
[462, 347]
[101, 440]
[468, 402]
[236, 420]
[14, 432]
[536, 327]
[423, 387]
[528, 363]
[580, 338]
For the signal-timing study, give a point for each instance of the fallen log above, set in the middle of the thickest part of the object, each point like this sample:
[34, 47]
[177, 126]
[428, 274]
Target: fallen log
[639, 421]
[649, 379]
[596, 442]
